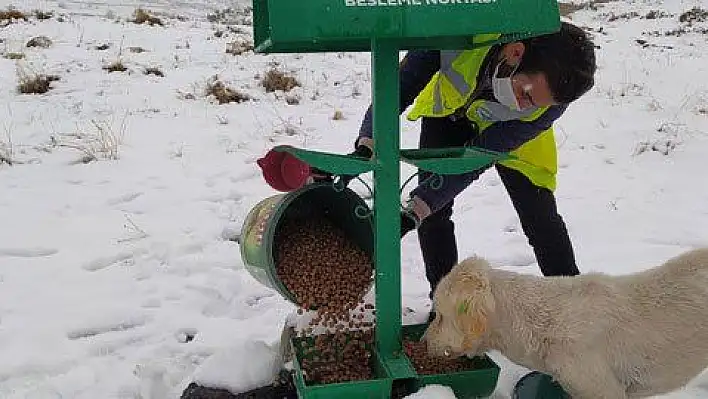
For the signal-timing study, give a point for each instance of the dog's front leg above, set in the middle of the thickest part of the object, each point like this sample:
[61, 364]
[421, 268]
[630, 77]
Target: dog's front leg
[586, 377]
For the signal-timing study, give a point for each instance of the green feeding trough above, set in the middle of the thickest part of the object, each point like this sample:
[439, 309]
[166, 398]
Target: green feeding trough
[384, 27]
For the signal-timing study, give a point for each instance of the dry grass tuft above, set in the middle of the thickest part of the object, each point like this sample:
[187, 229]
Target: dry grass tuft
[140, 16]
[99, 141]
[232, 16]
[11, 14]
[43, 15]
[292, 99]
[154, 71]
[568, 8]
[338, 115]
[239, 46]
[7, 149]
[695, 14]
[39, 42]
[37, 84]
[278, 80]
[14, 56]
[225, 94]
[116, 66]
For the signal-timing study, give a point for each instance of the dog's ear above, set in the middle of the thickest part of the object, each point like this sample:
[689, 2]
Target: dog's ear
[474, 264]
[473, 303]
[473, 318]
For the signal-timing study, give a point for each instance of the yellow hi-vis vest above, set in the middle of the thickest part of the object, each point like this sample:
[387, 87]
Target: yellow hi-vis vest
[451, 88]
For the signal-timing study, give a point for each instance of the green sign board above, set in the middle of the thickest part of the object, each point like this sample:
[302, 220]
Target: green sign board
[349, 25]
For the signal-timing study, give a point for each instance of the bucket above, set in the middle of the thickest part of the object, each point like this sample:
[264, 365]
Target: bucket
[341, 207]
[536, 385]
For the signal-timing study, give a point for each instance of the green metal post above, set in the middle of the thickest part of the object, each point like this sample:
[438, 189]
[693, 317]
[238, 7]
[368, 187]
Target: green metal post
[387, 206]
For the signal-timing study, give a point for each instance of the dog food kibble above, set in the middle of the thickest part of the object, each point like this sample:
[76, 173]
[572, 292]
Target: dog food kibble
[326, 272]
[425, 364]
[321, 267]
[338, 357]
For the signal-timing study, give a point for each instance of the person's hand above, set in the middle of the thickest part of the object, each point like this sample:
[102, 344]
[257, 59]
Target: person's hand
[361, 151]
[409, 221]
[413, 214]
[319, 175]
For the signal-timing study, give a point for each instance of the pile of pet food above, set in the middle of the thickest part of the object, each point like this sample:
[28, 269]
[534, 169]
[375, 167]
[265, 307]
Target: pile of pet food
[328, 274]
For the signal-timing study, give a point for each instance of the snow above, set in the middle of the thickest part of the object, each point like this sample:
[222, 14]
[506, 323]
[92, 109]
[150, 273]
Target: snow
[117, 276]
[433, 392]
[250, 365]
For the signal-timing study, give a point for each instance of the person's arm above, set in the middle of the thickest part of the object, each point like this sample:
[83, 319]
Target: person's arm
[502, 137]
[438, 193]
[416, 70]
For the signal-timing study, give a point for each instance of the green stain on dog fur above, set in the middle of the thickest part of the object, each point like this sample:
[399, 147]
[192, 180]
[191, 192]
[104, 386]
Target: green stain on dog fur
[463, 307]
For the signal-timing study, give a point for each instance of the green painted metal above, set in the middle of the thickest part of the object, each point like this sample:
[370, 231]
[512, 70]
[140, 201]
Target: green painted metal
[452, 160]
[398, 366]
[376, 388]
[349, 25]
[343, 207]
[334, 163]
[478, 381]
[385, 27]
[387, 248]
[436, 43]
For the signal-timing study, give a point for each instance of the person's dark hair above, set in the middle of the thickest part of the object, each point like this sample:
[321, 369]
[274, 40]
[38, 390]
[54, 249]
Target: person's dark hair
[566, 57]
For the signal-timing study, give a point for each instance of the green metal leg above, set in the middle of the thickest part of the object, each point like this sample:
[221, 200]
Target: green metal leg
[387, 208]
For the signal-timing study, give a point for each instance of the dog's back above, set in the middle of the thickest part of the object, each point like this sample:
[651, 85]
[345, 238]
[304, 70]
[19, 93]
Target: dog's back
[662, 325]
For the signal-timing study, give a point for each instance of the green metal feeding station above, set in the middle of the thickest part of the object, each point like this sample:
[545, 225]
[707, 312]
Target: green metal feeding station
[384, 27]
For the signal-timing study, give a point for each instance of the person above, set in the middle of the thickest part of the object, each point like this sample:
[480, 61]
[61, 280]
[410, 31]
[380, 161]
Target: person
[502, 97]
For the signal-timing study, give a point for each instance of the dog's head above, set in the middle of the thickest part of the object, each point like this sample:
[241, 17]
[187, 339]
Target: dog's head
[463, 301]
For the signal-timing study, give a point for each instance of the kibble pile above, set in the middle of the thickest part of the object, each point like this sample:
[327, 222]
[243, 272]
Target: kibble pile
[424, 364]
[338, 357]
[326, 272]
[321, 267]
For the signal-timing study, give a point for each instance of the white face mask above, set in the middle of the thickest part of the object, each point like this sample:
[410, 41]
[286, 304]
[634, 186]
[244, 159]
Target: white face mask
[503, 89]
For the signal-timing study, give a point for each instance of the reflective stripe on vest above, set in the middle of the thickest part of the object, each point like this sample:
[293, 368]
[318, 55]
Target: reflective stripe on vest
[453, 83]
[454, 77]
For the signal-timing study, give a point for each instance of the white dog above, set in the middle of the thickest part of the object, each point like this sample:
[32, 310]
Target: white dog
[600, 336]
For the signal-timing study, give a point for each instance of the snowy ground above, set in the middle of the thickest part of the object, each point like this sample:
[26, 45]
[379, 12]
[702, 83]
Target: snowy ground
[109, 268]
